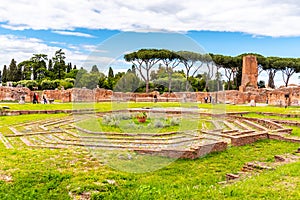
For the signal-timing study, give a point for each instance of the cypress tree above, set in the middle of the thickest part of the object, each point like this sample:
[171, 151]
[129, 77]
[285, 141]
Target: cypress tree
[19, 73]
[69, 67]
[13, 71]
[110, 73]
[4, 75]
[94, 69]
[50, 65]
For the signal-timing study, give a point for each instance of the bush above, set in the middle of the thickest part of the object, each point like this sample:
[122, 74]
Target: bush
[28, 83]
[66, 83]
[48, 85]
[158, 124]
[114, 123]
[57, 83]
[131, 125]
[106, 119]
[70, 80]
[114, 120]
[175, 121]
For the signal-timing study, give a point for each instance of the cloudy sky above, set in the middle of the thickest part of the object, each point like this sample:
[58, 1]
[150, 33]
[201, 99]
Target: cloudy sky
[81, 27]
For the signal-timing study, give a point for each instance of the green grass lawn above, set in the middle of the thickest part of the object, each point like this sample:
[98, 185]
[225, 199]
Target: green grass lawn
[103, 106]
[261, 116]
[295, 131]
[53, 174]
[106, 106]
[133, 126]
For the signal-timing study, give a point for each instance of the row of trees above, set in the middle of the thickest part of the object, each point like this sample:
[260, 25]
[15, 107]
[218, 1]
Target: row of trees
[177, 71]
[192, 62]
[145, 59]
[39, 68]
[271, 65]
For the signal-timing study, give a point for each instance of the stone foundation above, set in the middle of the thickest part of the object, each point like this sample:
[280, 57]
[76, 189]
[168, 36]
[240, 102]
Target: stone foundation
[194, 153]
[248, 139]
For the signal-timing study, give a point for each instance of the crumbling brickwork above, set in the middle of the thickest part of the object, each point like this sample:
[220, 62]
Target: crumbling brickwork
[249, 72]
[280, 97]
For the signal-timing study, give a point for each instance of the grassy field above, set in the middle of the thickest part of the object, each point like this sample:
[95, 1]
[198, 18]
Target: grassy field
[132, 126]
[27, 173]
[103, 106]
[106, 106]
[261, 116]
[53, 174]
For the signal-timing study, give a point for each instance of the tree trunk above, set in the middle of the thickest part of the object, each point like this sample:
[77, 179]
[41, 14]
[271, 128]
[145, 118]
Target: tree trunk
[228, 84]
[187, 84]
[271, 80]
[170, 82]
[287, 81]
[147, 86]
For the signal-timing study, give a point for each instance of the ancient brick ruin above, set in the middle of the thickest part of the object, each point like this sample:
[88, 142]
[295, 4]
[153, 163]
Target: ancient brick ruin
[248, 91]
[249, 73]
[279, 97]
[233, 130]
[15, 94]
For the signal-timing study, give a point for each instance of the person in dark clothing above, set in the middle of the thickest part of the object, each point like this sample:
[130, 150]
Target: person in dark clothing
[205, 99]
[34, 101]
[44, 99]
[155, 98]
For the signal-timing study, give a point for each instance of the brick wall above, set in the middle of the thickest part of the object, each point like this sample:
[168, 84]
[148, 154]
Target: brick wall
[274, 97]
[192, 153]
[248, 138]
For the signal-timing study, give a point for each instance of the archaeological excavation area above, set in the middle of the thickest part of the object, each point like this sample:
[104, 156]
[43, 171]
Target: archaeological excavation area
[163, 134]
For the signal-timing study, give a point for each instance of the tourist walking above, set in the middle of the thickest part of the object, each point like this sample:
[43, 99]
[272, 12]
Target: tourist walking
[34, 101]
[44, 99]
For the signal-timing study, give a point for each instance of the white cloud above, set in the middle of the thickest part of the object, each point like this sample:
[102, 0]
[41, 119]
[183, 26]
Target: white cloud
[73, 34]
[257, 17]
[21, 48]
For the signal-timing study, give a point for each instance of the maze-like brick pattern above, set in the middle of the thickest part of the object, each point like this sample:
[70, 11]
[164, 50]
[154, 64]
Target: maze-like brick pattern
[65, 133]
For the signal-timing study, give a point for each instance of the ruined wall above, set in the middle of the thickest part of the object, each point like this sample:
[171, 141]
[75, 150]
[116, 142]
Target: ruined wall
[278, 97]
[249, 73]
[15, 93]
[190, 154]
[248, 139]
[79, 95]
[284, 96]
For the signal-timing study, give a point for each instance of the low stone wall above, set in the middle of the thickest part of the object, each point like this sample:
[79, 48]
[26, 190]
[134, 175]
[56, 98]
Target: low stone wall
[283, 138]
[279, 97]
[27, 112]
[248, 138]
[264, 122]
[190, 154]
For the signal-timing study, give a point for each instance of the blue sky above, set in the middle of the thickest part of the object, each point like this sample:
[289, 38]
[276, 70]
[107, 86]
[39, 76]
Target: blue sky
[89, 29]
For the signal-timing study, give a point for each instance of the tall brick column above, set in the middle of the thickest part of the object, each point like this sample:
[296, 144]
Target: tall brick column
[249, 73]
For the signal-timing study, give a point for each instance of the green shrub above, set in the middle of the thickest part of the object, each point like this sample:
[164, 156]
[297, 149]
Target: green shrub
[28, 83]
[114, 123]
[158, 124]
[106, 119]
[67, 83]
[175, 121]
[48, 85]
[15, 84]
[131, 125]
